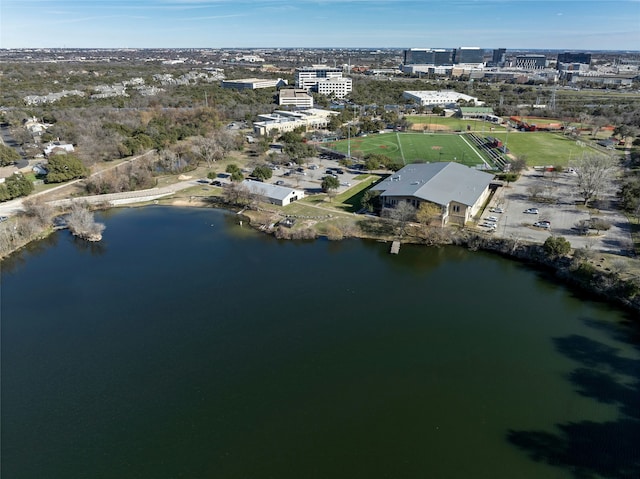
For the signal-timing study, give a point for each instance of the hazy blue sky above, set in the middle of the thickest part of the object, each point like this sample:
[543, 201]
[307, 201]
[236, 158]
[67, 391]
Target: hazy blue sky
[562, 24]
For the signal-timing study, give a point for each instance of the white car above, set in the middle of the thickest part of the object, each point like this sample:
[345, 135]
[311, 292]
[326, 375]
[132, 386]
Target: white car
[491, 218]
[532, 211]
[497, 210]
[491, 226]
[542, 224]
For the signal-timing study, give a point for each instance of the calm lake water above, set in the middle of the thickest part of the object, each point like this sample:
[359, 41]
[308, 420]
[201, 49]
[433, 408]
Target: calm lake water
[185, 346]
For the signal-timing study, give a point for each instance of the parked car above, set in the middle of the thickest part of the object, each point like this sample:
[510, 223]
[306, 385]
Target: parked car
[497, 210]
[542, 224]
[491, 218]
[3, 218]
[491, 226]
[344, 183]
[279, 182]
[216, 183]
[532, 211]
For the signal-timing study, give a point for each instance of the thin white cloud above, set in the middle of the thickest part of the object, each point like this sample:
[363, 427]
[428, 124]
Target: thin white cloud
[90, 19]
[214, 17]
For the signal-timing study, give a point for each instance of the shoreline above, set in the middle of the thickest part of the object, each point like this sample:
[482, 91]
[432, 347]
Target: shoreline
[605, 285]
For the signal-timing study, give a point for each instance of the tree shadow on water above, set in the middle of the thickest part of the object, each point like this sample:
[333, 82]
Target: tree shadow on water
[587, 448]
[590, 449]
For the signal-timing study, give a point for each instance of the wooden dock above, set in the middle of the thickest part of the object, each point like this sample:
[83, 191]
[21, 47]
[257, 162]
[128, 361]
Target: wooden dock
[395, 247]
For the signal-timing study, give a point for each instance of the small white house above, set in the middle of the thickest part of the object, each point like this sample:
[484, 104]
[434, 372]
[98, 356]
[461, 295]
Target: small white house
[274, 194]
[57, 146]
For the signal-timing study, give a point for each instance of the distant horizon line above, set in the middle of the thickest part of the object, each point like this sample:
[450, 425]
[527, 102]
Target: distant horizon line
[621, 50]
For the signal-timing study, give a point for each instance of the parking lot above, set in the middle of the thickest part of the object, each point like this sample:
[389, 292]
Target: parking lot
[309, 177]
[563, 213]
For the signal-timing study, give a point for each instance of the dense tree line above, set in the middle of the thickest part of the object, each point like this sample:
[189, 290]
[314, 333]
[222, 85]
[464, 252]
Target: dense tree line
[63, 168]
[629, 194]
[15, 186]
[138, 175]
[8, 155]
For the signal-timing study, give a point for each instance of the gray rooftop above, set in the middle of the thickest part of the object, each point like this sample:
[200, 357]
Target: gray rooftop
[438, 183]
[268, 190]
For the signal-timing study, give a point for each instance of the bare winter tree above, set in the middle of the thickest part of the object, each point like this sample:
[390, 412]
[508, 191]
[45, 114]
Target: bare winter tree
[208, 149]
[593, 173]
[82, 223]
[429, 213]
[237, 194]
[402, 213]
[36, 207]
[535, 190]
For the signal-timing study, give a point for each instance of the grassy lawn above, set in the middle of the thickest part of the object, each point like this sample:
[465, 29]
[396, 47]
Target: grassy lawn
[313, 206]
[350, 199]
[346, 202]
[415, 147]
[543, 148]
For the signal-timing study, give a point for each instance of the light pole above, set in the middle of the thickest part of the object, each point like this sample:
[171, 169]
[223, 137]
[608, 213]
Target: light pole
[506, 140]
[349, 133]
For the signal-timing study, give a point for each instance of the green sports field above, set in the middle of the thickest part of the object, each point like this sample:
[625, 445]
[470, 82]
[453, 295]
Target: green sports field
[404, 148]
[538, 148]
[542, 148]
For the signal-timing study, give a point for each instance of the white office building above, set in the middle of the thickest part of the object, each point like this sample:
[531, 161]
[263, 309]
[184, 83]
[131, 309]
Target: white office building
[443, 98]
[282, 121]
[338, 87]
[295, 97]
[310, 78]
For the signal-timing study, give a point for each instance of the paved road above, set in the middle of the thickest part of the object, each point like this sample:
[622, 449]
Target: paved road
[9, 208]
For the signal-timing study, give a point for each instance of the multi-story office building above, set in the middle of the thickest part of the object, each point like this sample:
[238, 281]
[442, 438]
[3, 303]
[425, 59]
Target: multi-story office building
[417, 56]
[574, 57]
[323, 79]
[531, 62]
[308, 77]
[428, 56]
[572, 62]
[442, 57]
[444, 98]
[295, 97]
[468, 55]
[282, 121]
[338, 87]
[253, 83]
[498, 58]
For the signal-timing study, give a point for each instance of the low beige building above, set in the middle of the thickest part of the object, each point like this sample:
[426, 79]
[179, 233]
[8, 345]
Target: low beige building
[283, 121]
[295, 97]
[458, 190]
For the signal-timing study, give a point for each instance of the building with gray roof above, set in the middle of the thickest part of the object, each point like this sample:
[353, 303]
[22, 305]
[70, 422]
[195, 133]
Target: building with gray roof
[460, 191]
[274, 194]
